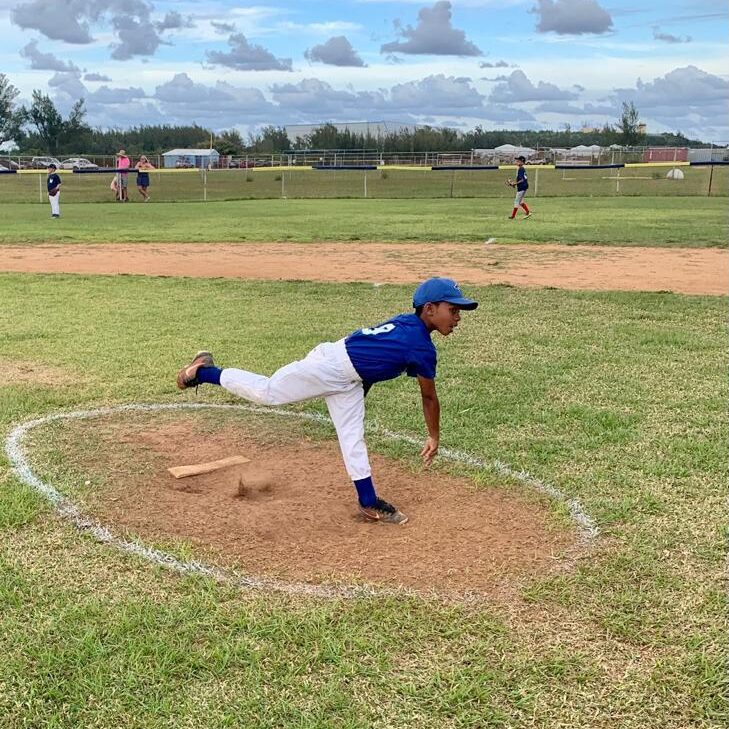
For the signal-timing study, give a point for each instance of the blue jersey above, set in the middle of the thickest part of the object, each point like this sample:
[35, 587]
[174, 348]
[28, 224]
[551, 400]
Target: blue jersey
[54, 180]
[401, 344]
[521, 180]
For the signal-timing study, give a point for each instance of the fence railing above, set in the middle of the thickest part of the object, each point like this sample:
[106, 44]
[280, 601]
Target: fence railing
[308, 158]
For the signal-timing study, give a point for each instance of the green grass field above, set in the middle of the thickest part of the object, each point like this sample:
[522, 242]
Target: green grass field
[619, 399]
[645, 221]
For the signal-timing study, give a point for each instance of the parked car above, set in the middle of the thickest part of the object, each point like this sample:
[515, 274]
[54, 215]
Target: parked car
[184, 164]
[40, 163]
[9, 164]
[78, 163]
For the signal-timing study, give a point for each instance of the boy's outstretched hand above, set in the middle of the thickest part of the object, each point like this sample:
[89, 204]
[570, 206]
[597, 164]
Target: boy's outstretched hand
[429, 450]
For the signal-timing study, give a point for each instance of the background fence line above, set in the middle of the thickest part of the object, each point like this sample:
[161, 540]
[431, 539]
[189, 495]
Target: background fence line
[389, 182]
[307, 158]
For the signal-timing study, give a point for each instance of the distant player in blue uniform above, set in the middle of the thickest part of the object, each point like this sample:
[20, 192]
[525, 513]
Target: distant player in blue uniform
[521, 185]
[53, 184]
[342, 372]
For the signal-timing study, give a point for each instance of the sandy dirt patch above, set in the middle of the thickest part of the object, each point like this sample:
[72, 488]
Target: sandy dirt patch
[21, 372]
[291, 512]
[597, 268]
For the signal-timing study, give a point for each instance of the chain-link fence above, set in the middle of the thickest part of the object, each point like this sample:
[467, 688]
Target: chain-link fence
[299, 182]
[585, 155]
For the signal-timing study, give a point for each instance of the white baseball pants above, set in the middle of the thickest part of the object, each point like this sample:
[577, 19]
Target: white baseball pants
[325, 372]
[519, 199]
[55, 201]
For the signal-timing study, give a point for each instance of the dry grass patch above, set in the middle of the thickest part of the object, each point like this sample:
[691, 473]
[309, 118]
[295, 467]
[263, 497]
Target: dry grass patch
[25, 372]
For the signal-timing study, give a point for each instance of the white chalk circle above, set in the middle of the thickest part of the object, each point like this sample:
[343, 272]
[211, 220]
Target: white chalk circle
[14, 449]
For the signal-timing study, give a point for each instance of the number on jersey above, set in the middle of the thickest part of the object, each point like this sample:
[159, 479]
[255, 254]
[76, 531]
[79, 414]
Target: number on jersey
[382, 329]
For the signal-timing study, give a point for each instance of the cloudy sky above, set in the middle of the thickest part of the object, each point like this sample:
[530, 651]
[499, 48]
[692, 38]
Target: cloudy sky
[514, 64]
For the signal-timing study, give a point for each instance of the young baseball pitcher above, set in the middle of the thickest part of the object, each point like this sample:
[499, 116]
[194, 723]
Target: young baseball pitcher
[343, 371]
[521, 185]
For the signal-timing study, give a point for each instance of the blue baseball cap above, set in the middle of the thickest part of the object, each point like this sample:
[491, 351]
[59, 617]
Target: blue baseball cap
[441, 289]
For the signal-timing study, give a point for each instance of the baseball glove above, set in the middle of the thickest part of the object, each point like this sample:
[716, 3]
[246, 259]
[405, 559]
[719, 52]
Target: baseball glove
[509, 182]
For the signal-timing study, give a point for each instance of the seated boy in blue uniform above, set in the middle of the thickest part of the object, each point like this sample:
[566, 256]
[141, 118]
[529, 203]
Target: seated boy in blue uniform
[342, 372]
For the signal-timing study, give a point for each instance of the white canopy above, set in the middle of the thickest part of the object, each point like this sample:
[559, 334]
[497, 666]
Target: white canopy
[582, 149]
[512, 149]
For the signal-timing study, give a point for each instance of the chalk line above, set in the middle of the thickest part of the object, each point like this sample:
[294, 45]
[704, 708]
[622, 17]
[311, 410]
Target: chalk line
[14, 449]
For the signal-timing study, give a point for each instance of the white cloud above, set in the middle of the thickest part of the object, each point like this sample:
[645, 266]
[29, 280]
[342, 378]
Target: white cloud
[433, 35]
[137, 37]
[337, 51]
[105, 95]
[71, 21]
[96, 77]
[688, 98]
[572, 17]
[217, 106]
[45, 61]
[669, 37]
[315, 97]
[68, 85]
[66, 21]
[433, 94]
[245, 56]
[172, 21]
[517, 88]
[315, 100]
[334, 26]
[223, 28]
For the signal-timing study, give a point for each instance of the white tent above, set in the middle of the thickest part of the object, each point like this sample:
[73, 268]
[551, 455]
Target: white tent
[582, 150]
[510, 149]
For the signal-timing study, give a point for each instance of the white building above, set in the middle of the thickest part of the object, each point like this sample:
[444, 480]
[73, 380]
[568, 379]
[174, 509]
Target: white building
[201, 158]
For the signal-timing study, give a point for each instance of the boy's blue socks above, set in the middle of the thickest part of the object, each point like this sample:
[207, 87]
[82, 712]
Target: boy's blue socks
[366, 491]
[209, 375]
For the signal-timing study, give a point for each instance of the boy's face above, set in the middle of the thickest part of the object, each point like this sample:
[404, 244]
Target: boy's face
[443, 317]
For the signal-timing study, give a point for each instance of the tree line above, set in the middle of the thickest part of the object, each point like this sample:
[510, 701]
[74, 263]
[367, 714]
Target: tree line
[40, 128]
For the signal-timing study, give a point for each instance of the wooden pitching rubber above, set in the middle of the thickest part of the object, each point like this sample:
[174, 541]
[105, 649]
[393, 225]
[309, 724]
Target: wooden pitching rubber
[197, 468]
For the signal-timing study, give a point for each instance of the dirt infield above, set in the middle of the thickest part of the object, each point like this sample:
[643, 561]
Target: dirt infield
[597, 268]
[291, 512]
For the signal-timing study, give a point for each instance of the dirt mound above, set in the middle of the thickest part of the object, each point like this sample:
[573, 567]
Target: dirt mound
[291, 512]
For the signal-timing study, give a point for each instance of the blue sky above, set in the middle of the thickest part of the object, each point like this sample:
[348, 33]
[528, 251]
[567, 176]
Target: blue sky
[516, 64]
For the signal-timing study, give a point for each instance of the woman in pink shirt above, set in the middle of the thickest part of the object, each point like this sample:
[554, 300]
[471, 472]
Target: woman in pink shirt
[123, 163]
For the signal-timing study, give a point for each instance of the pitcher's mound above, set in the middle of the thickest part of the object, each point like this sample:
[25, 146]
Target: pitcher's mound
[291, 513]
